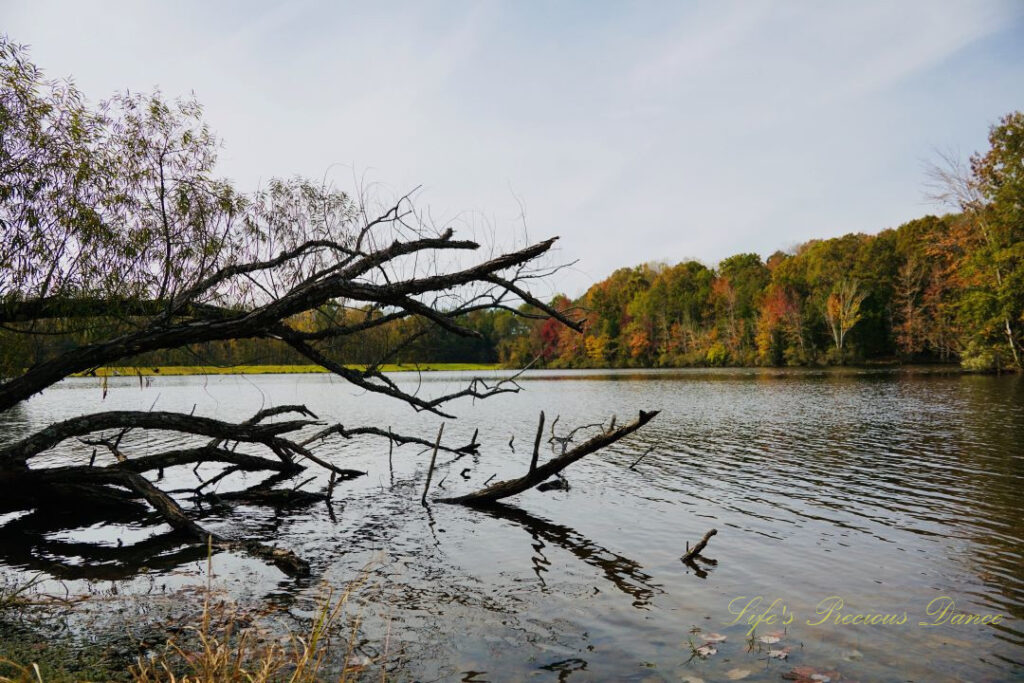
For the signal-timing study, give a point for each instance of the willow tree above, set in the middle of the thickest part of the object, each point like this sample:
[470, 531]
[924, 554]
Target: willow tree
[118, 240]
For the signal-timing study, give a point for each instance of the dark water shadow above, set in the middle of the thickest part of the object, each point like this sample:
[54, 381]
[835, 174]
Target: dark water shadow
[27, 542]
[44, 539]
[625, 574]
[566, 667]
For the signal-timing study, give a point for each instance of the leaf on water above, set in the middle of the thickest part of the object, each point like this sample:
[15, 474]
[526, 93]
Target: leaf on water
[693, 679]
[715, 638]
[737, 674]
[779, 654]
[357, 663]
[808, 674]
[769, 639]
[707, 650]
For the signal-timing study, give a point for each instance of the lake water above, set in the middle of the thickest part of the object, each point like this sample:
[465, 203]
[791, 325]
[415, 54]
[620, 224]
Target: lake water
[891, 492]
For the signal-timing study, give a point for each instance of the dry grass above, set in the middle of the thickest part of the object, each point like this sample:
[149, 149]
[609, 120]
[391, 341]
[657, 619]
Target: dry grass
[229, 648]
[228, 644]
[14, 595]
[25, 674]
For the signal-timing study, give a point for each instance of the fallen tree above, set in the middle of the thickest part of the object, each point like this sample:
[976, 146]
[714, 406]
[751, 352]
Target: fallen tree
[538, 474]
[117, 241]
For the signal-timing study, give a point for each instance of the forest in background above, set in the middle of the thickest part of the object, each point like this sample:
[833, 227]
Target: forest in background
[917, 293]
[911, 294]
[936, 289]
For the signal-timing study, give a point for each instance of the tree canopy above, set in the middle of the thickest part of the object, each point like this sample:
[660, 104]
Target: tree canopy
[938, 288]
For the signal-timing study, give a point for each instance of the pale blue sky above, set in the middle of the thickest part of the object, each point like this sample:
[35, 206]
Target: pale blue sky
[637, 131]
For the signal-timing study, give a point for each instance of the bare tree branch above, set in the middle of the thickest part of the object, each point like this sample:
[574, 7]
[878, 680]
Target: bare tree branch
[504, 489]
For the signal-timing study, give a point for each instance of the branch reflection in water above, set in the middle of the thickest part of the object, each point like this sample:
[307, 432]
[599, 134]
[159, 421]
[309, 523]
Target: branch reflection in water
[625, 574]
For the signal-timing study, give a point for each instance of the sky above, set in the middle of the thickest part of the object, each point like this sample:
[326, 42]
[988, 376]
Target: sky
[637, 132]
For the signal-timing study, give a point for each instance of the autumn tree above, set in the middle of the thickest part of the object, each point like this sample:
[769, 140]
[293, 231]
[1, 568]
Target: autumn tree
[908, 303]
[999, 216]
[747, 278]
[935, 288]
[779, 327]
[842, 311]
[989, 243]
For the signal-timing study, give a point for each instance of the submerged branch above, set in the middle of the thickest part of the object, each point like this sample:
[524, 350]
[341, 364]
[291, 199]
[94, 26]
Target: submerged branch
[505, 489]
[20, 451]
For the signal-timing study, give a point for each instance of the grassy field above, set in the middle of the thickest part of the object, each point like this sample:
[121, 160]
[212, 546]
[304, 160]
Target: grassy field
[175, 370]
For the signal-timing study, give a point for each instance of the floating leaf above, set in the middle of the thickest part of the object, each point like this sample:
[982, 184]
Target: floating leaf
[779, 654]
[808, 674]
[707, 650]
[737, 674]
[769, 639]
[715, 638]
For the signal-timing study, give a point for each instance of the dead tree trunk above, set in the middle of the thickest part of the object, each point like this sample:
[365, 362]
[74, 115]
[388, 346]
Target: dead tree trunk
[505, 489]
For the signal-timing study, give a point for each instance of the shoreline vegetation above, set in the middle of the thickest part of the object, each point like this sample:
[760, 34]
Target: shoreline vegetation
[259, 369]
[936, 289]
[225, 640]
[894, 366]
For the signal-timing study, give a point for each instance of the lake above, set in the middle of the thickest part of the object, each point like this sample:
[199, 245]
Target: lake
[897, 493]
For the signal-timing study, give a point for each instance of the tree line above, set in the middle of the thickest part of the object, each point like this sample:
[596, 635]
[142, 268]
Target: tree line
[936, 289]
[946, 288]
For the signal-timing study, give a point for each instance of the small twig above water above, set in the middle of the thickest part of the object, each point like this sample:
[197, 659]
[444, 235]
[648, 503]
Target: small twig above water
[433, 459]
[692, 553]
[637, 461]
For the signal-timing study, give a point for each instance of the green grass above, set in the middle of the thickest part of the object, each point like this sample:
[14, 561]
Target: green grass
[176, 370]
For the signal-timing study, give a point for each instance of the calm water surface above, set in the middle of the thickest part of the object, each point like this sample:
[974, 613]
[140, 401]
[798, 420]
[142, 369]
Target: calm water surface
[886, 491]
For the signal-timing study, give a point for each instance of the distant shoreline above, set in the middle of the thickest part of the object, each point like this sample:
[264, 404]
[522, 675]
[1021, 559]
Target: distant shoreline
[185, 370]
[197, 370]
